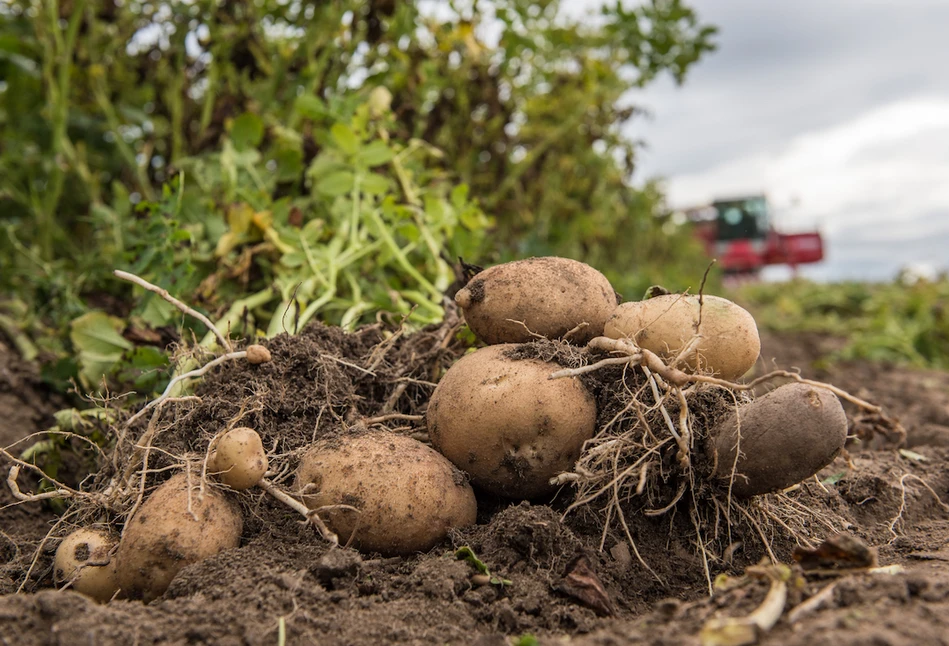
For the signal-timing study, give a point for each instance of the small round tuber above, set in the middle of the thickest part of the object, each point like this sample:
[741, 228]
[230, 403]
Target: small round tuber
[238, 458]
[257, 354]
[83, 560]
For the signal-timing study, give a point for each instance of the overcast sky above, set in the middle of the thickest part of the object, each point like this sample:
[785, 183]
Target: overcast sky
[837, 109]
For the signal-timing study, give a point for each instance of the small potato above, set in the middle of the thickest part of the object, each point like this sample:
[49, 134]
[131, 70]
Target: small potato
[550, 296]
[506, 424]
[408, 495]
[83, 560]
[786, 437]
[239, 459]
[664, 324]
[258, 354]
[164, 536]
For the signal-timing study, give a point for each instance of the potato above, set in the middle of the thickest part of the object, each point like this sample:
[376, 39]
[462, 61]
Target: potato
[238, 458]
[786, 436]
[408, 496]
[550, 296]
[83, 560]
[506, 424]
[664, 324]
[163, 536]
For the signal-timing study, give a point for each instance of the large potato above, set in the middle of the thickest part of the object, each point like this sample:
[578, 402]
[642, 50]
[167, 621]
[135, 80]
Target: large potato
[508, 425]
[779, 439]
[664, 324]
[163, 536]
[408, 495]
[83, 561]
[550, 296]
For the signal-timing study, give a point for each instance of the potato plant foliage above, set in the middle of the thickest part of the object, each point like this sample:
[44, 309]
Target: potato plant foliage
[275, 162]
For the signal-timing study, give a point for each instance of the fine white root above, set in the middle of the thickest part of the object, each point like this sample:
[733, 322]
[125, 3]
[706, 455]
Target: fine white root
[312, 515]
[61, 492]
[635, 355]
[141, 282]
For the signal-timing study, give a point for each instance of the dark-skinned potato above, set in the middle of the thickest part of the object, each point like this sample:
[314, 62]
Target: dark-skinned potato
[408, 495]
[163, 536]
[506, 424]
[238, 458]
[665, 324]
[83, 561]
[549, 296]
[786, 437]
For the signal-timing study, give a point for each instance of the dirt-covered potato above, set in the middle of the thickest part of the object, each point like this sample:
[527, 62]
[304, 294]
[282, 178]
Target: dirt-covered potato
[83, 561]
[664, 324]
[550, 296]
[506, 424]
[408, 495]
[165, 535]
[779, 439]
[238, 458]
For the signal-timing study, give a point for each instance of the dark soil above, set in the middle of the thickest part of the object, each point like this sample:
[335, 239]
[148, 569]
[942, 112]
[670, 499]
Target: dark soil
[284, 585]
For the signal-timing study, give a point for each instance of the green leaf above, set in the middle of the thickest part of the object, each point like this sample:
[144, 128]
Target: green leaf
[375, 154]
[158, 311]
[834, 479]
[96, 336]
[289, 165]
[336, 183]
[247, 131]
[345, 138]
[309, 106]
[654, 291]
[375, 184]
[467, 554]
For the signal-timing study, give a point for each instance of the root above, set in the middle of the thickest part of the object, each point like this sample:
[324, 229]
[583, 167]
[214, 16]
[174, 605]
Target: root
[902, 509]
[311, 515]
[141, 282]
[629, 461]
[635, 355]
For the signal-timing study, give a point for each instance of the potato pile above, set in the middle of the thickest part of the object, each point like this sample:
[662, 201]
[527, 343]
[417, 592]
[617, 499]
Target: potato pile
[496, 419]
[512, 429]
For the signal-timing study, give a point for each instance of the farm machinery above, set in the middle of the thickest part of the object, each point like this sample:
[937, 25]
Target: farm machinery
[738, 232]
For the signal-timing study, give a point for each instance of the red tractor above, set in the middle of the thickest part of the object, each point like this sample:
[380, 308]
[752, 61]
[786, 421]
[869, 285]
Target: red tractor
[738, 233]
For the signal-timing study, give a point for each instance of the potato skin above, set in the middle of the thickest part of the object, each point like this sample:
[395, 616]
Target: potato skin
[77, 550]
[664, 324]
[409, 496]
[239, 458]
[787, 436]
[506, 424]
[162, 537]
[550, 295]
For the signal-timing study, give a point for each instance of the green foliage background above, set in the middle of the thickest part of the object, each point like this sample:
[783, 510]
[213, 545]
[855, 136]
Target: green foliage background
[274, 161]
[906, 321]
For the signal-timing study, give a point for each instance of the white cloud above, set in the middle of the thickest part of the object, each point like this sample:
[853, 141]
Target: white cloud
[877, 186]
[885, 162]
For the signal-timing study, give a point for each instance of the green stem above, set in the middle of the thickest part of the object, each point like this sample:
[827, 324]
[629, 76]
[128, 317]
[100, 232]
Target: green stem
[112, 117]
[58, 94]
[400, 256]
